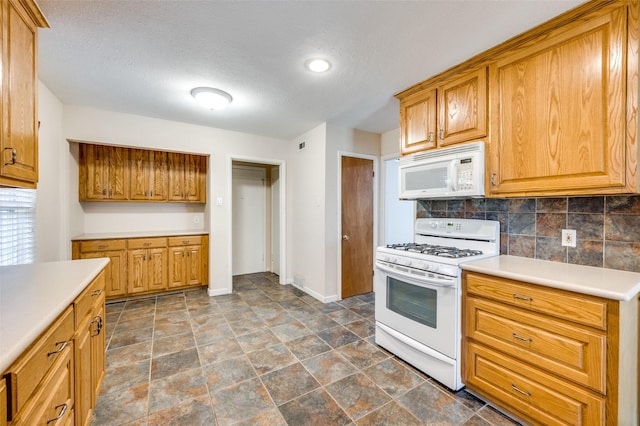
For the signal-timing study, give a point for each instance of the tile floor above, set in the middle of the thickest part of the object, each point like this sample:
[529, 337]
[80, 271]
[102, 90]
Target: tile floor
[265, 355]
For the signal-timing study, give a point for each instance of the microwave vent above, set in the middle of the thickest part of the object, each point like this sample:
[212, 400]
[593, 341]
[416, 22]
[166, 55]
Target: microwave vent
[459, 149]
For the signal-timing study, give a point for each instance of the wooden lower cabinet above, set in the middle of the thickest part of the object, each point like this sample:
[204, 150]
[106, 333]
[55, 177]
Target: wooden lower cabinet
[57, 380]
[90, 346]
[548, 356]
[149, 265]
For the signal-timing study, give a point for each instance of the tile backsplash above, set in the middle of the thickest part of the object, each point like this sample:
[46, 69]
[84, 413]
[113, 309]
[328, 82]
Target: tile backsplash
[608, 227]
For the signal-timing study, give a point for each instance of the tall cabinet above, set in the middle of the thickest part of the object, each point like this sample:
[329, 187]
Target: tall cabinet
[19, 67]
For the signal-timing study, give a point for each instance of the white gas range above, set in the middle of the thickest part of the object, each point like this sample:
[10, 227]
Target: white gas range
[418, 292]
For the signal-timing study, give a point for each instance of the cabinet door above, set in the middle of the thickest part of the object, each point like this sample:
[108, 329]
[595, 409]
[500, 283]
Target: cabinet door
[115, 271]
[177, 273]
[98, 347]
[157, 264]
[118, 172]
[18, 141]
[3, 402]
[559, 110]
[418, 122]
[95, 160]
[176, 176]
[158, 178]
[194, 265]
[137, 271]
[139, 172]
[192, 177]
[462, 108]
[82, 361]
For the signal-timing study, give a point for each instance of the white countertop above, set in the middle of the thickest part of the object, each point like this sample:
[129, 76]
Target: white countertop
[141, 234]
[602, 282]
[32, 296]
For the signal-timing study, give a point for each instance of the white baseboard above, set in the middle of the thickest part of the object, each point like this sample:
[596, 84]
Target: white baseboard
[318, 296]
[218, 291]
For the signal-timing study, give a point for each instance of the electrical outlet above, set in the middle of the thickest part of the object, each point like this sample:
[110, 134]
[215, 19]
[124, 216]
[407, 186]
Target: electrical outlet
[569, 237]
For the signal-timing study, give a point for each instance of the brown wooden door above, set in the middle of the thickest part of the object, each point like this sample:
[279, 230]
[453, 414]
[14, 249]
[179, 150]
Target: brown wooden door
[357, 226]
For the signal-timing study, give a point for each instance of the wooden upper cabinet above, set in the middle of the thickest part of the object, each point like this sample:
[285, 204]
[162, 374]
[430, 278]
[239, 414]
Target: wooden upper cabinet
[559, 110]
[19, 134]
[462, 108]
[445, 113]
[187, 177]
[111, 173]
[104, 174]
[148, 175]
[418, 119]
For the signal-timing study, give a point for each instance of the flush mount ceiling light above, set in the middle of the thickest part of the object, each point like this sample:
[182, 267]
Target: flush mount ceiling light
[211, 98]
[317, 65]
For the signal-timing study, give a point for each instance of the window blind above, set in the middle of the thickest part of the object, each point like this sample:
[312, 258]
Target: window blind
[17, 226]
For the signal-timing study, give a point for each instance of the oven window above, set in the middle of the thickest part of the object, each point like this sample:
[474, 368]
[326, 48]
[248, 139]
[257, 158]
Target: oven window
[412, 302]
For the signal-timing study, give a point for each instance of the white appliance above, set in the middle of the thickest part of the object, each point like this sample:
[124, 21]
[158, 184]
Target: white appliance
[418, 292]
[456, 171]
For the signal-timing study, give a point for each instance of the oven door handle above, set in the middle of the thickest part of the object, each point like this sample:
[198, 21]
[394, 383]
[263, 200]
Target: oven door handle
[422, 281]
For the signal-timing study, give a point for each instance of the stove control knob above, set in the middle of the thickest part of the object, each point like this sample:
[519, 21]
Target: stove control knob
[433, 225]
[434, 268]
[385, 257]
[422, 265]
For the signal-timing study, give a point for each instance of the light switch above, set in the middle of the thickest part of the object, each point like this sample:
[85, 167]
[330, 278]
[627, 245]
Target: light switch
[219, 201]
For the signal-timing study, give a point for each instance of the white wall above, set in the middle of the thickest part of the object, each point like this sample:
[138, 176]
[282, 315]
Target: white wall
[94, 125]
[50, 227]
[390, 143]
[306, 212]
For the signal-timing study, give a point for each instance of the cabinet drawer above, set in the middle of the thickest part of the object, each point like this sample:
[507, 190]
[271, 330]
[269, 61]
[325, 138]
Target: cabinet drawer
[574, 352]
[25, 375]
[91, 295]
[574, 307]
[101, 245]
[530, 393]
[3, 402]
[187, 240]
[53, 403]
[145, 243]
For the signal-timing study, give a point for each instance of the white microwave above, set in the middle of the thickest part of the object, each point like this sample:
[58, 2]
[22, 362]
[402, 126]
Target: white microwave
[452, 172]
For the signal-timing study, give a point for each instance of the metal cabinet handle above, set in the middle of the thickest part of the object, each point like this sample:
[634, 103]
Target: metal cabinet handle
[493, 179]
[103, 246]
[430, 137]
[14, 156]
[185, 242]
[99, 324]
[441, 134]
[525, 298]
[147, 244]
[515, 388]
[96, 293]
[524, 339]
[59, 416]
[57, 351]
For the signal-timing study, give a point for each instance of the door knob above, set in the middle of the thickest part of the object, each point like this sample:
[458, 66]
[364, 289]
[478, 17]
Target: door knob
[345, 237]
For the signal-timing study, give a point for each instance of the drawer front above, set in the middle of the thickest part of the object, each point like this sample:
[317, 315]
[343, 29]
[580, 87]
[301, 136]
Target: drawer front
[3, 402]
[53, 403]
[91, 295]
[530, 393]
[574, 307]
[102, 245]
[144, 243]
[575, 352]
[30, 369]
[187, 240]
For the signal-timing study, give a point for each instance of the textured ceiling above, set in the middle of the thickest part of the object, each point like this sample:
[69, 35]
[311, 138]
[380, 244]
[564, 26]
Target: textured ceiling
[144, 57]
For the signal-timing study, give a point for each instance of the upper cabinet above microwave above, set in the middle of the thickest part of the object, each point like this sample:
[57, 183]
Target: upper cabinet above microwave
[19, 135]
[444, 113]
[560, 106]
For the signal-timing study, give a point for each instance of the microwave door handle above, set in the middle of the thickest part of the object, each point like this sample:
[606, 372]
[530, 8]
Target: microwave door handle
[454, 175]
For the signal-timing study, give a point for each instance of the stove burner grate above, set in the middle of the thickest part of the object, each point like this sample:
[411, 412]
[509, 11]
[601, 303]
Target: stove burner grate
[435, 250]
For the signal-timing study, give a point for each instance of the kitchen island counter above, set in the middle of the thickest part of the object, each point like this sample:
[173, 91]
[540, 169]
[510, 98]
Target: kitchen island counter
[32, 296]
[608, 283]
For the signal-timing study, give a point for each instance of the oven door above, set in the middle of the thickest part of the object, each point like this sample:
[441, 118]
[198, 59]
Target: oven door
[420, 305]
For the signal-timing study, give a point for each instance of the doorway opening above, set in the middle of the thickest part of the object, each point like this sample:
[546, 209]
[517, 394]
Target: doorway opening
[257, 218]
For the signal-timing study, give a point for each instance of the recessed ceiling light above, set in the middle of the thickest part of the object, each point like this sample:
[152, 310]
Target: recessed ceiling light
[211, 98]
[317, 65]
